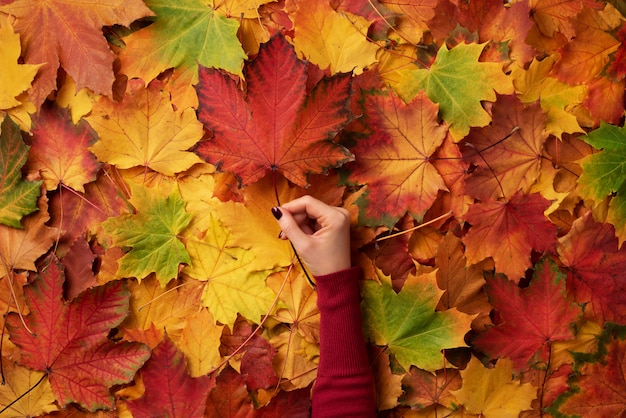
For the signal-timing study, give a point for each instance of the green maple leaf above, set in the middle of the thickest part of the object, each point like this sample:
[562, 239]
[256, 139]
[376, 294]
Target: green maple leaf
[151, 234]
[18, 197]
[458, 82]
[407, 323]
[184, 33]
[604, 173]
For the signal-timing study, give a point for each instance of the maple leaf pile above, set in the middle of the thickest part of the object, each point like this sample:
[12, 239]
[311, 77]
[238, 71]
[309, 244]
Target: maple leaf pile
[479, 146]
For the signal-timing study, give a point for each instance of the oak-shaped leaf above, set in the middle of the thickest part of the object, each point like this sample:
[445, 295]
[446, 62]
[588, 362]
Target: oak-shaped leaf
[408, 324]
[277, 125]
[69, 341]
[395, 160]
[508, 232]
[151, 234]
[169, 389]
[18, 197]
[69, 34]
[532, 318]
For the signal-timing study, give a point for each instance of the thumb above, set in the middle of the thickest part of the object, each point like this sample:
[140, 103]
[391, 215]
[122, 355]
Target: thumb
[290, 227]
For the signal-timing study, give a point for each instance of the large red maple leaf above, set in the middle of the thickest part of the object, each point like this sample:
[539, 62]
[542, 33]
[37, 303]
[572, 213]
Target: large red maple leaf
[596, 268]
[532, 318]
[277, 125]
[170, 391]
[69, 340]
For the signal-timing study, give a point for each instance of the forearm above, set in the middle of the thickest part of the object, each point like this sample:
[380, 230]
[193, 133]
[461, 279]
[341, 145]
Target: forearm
[344, 385]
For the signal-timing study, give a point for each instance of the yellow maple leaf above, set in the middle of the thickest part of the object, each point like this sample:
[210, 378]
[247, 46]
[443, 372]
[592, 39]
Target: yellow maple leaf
[557, 99]
[78, 102]
[300, 302]
[30, 388]
[144, 130]
[15, 78]
[232, 287]
[491, 392]
[332, 40]
[165, 308]
[295, 359]
[200, 342]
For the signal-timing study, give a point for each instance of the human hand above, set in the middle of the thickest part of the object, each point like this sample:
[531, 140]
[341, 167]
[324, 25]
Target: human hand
[320, 233]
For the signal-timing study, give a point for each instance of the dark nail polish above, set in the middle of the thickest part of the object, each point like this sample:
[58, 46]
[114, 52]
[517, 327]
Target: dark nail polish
[280, 235]
[277, 213]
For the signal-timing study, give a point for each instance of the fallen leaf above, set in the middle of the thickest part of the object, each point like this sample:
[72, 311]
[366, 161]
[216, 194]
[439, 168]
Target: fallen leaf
[272, 128]
[69, 341]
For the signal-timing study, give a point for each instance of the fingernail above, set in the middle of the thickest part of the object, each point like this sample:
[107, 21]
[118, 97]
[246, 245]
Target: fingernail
[280, 235]
[277, 213]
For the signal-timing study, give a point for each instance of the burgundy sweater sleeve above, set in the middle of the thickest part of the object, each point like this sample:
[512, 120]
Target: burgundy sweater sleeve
[345, 385]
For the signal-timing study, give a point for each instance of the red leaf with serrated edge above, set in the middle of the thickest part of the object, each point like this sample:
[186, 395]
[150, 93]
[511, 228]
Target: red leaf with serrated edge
[69, 340]
[277, 126]
[533, 317]
[508, 232]
[170, 391]
[229, 397]
[292, 404]
[256, 363]
[601, 386]
[396, 159]
[595, 269]
[59, 149]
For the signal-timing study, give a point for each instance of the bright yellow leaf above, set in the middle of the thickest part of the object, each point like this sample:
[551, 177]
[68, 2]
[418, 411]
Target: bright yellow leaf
[15, 78]
[492, 393]
[557, 99]
[200, 341]
[79, 102]
[332, 40]
[294, 361]
[144, 130]
[232, 287]
[38, 399]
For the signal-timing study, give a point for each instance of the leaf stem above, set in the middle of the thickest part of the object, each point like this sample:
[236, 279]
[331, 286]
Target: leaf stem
[24, 394]
[432, 221]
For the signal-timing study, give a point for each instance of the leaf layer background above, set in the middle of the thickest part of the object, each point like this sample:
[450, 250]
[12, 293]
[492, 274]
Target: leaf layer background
[478, 146]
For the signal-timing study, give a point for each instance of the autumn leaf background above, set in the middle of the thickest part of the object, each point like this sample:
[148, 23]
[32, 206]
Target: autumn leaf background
[478, 145]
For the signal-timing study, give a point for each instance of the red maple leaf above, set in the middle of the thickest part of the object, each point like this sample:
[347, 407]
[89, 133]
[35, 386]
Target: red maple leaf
[292, 404]
[256, 363]
[229, 397]
[595, 269]
[69, 340]
[508, 232]
[601, 386]
[170, 391]
[277, 125]
[532, 318]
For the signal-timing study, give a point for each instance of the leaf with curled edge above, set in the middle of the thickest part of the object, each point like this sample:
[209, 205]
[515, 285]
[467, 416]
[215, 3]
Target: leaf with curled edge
[69, 340]
[273, 128]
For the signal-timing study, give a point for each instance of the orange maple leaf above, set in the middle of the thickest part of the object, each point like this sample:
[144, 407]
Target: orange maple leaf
[69, 34]
[395, 160]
